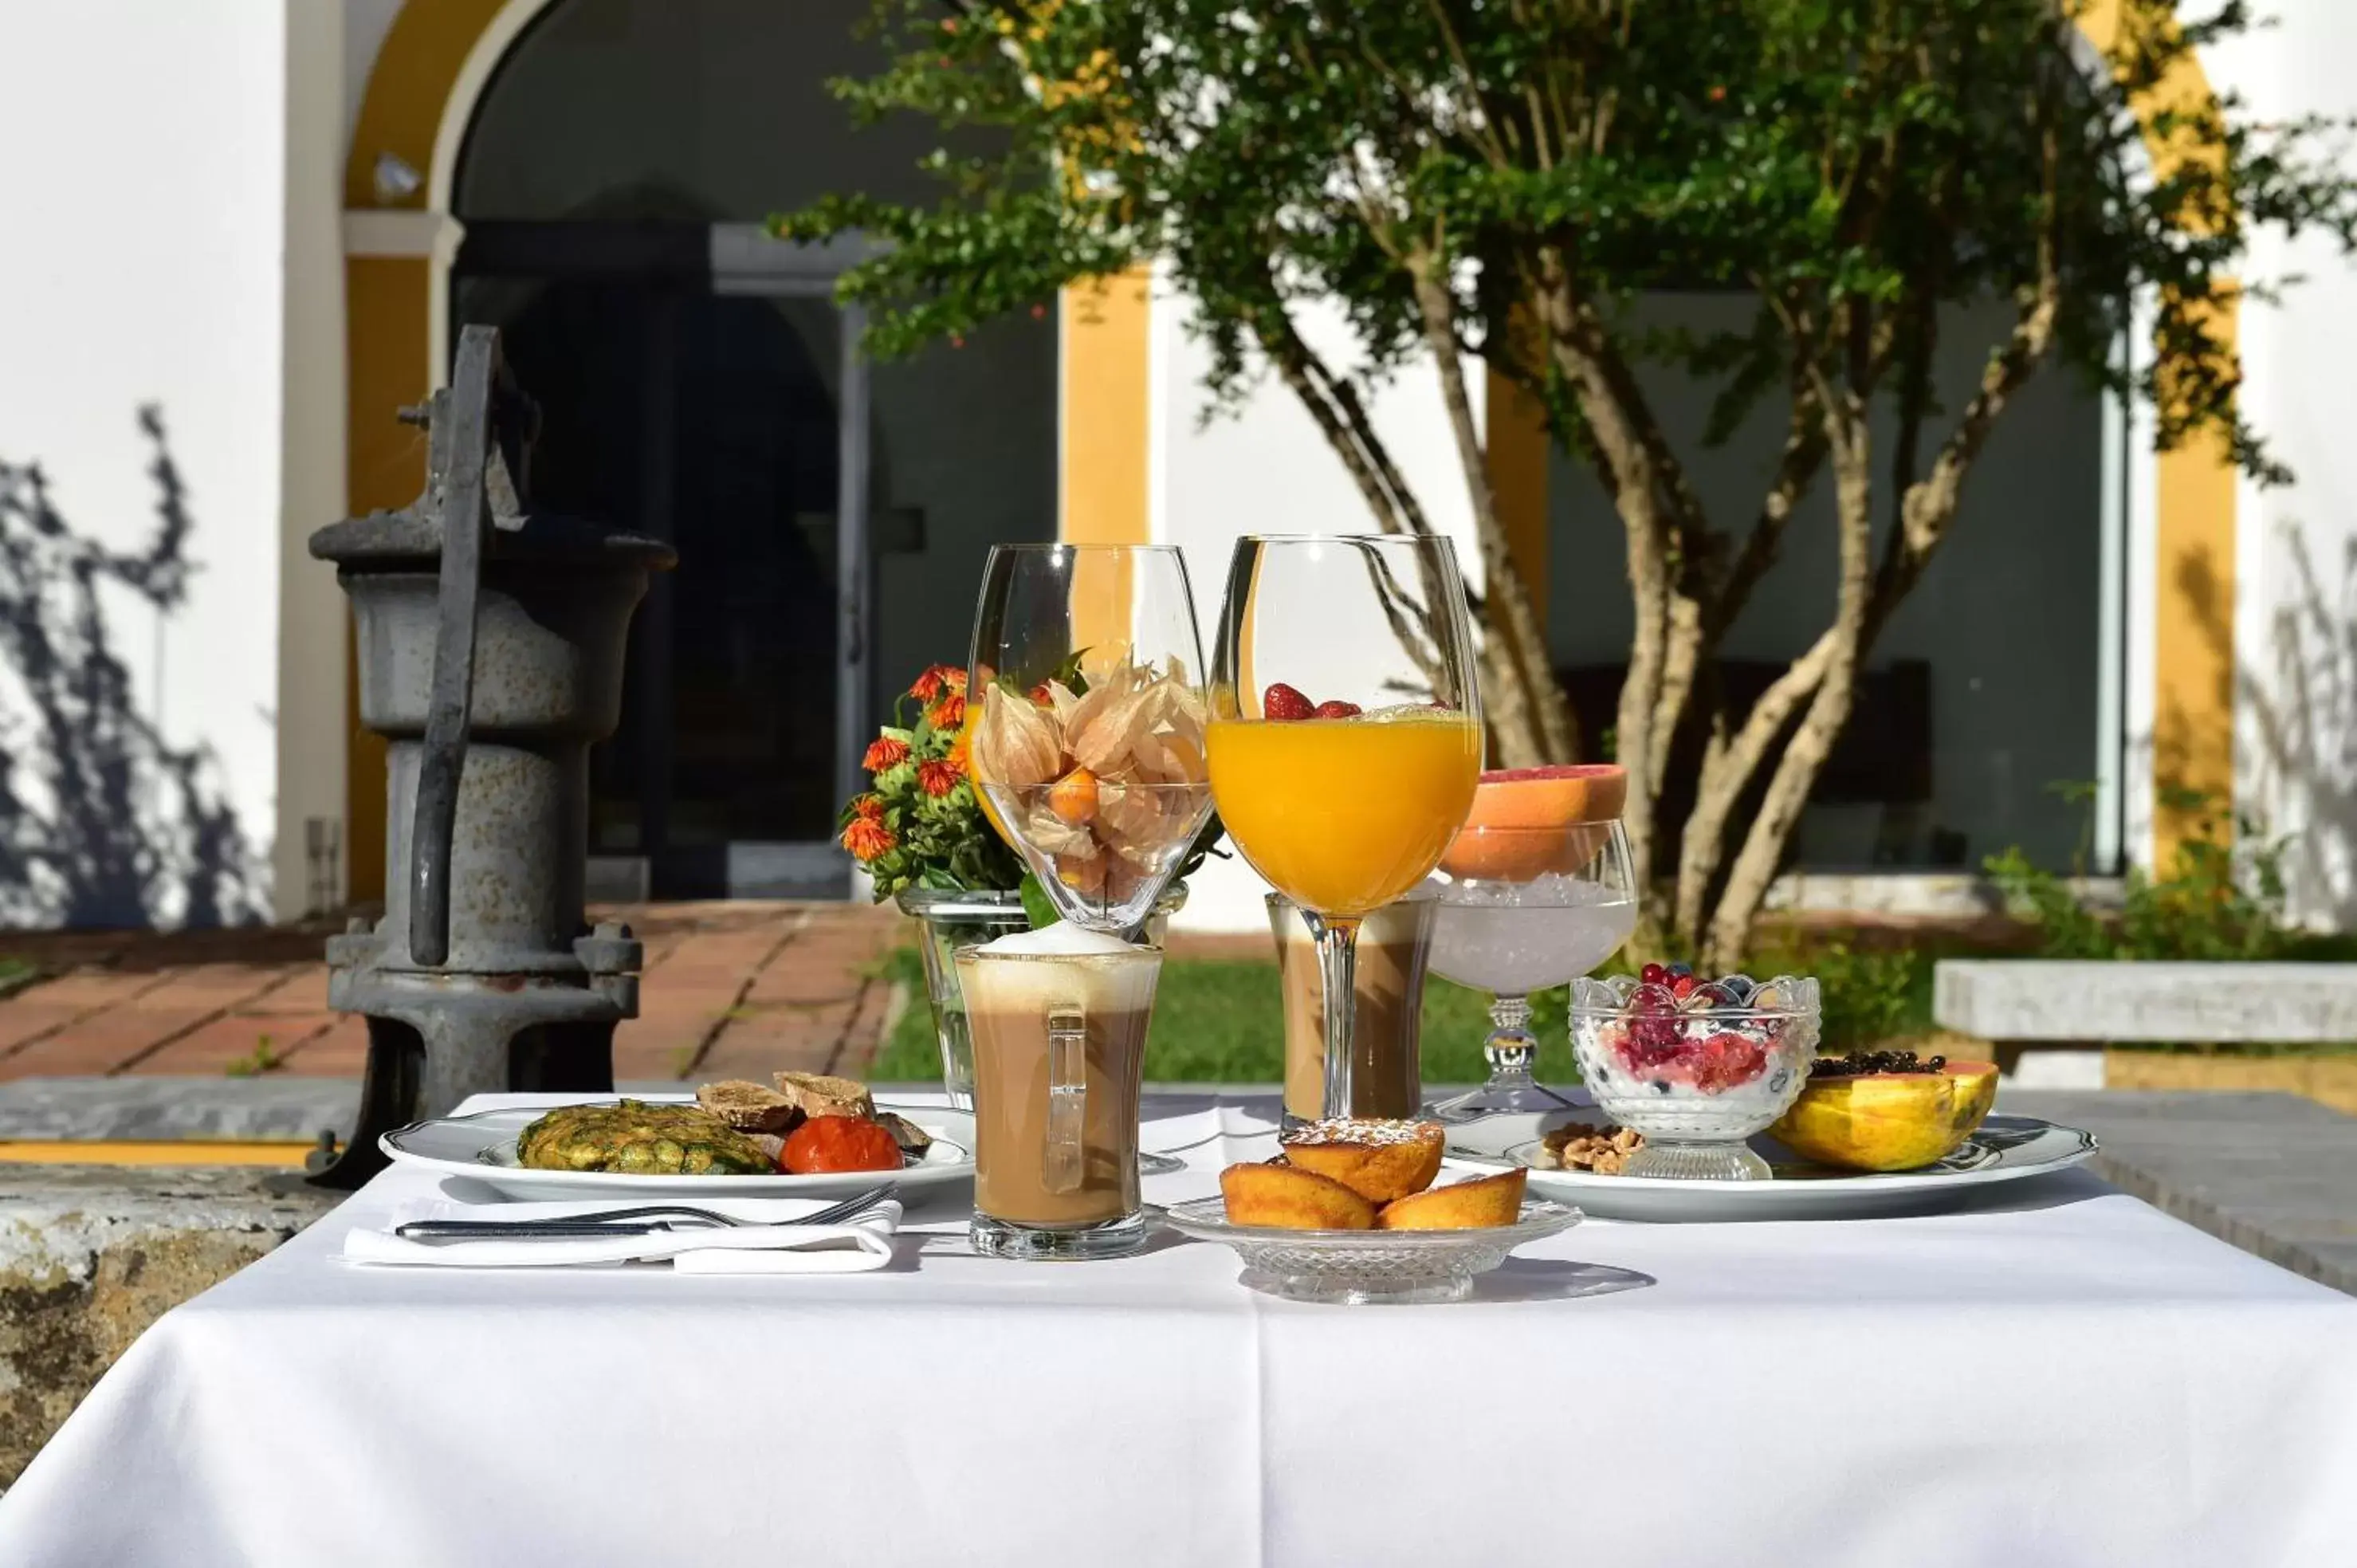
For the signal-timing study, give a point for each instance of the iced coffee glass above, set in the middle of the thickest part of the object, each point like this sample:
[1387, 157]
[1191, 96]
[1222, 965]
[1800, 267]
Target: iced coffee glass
[1059, 1018]
[1387, 1070]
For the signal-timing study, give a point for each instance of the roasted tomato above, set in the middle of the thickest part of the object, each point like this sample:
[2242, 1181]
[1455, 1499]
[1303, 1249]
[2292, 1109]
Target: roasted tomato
[838, 1143]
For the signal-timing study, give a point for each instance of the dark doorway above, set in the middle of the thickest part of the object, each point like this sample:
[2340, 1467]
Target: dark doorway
[712, 421]
[832, 515]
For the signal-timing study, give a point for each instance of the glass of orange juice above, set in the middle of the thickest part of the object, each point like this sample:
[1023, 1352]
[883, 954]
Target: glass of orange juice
[1345, 736]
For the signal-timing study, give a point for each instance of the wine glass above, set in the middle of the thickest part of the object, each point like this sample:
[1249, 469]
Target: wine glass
[1522, 910]
[1089, 748]
[1345, 734]
[1090, 745]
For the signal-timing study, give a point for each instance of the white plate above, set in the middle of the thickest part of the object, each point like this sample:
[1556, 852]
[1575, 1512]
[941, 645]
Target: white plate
[2006, 1148]
[481, 1147]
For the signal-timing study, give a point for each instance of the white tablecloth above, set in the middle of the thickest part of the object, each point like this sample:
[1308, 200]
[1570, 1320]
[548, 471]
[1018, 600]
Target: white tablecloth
[2068, 1378]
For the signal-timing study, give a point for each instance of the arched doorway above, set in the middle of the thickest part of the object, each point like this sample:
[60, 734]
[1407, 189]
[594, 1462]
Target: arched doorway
[699, 383]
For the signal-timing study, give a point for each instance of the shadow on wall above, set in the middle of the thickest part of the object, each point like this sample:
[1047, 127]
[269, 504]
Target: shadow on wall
[2300, 715]
[103, 822]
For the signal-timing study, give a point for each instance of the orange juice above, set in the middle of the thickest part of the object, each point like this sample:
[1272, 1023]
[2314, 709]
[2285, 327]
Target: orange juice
[1344, 815]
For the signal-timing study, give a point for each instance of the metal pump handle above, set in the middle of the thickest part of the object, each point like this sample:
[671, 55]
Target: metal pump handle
[466, 516]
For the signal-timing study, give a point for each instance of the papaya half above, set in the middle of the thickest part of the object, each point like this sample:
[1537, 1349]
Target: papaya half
[1889, 1121]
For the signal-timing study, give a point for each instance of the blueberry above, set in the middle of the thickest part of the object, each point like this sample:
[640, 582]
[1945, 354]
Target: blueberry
[1661, 1086]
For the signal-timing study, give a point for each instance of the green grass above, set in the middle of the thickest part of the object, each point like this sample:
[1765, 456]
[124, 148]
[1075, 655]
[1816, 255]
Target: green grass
[1217, 1021]
[14, 971]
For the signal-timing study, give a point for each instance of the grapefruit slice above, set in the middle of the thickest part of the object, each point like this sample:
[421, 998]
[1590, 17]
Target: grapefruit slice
[1529, 821]
[1889, 1121]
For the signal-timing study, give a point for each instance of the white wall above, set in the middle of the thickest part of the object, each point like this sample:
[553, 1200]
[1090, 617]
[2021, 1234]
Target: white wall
[2296, 568]
[1266, 469]
[143, 144]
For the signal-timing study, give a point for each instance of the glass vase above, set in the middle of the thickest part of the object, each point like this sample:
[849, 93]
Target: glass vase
[953, 921]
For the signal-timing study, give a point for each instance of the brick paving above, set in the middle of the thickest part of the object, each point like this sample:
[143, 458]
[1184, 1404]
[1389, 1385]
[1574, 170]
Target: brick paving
[735, 987]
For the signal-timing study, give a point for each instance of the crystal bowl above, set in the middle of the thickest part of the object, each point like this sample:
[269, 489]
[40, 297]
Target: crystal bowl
[1366, 1267]
[1696, 1079]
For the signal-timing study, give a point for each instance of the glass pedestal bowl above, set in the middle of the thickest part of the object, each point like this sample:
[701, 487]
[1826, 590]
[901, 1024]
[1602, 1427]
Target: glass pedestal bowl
[1696, 1076]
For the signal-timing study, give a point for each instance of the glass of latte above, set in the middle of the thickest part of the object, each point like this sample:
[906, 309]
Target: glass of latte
[1059, 1018]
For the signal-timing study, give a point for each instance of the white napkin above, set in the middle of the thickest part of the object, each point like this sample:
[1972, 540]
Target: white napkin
[770, 1246]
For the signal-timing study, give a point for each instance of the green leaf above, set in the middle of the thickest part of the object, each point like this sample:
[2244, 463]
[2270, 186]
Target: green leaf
[1036, 905]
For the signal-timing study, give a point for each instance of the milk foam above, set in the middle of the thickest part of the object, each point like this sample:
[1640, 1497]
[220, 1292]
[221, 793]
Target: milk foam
[1093, 969]
[1061, 940]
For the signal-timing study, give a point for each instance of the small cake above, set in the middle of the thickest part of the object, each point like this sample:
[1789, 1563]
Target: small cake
[1379, 1160]
[1290, 1198]
[1478, 1204]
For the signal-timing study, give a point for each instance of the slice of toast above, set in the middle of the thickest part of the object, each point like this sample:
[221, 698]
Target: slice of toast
[749, 1107]
[816, 1094]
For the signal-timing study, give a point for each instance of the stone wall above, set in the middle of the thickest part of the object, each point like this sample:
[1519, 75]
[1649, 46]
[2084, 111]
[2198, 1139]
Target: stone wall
[90, 1255]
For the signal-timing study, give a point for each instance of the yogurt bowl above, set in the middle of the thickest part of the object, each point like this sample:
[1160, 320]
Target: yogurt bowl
[1696, 1073]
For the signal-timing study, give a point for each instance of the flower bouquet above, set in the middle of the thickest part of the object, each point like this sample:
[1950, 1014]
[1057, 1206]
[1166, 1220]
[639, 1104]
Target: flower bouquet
[919, 824]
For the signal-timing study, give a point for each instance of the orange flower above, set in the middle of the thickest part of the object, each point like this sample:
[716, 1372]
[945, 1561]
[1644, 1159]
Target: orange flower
[885, 752]
[868, 809]
[949, 713]
[938, 777]
[937, 676]
[961, 748]
[867, 838]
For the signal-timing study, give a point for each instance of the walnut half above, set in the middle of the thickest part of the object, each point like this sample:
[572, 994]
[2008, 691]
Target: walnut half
[1578, 1147]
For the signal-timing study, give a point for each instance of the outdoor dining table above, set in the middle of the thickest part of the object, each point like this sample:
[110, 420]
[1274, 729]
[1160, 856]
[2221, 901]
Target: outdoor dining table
[2061, 1375]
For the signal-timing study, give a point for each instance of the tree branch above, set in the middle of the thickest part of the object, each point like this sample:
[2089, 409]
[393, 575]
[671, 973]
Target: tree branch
[1536, 721]
[1342, 419]
[1796, 469]
[1843, 643]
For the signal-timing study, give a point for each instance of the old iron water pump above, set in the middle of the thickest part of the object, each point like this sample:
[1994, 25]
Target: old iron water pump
[490, 640]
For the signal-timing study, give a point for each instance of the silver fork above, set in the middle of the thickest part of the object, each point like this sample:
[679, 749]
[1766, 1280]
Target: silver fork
[609, 1223]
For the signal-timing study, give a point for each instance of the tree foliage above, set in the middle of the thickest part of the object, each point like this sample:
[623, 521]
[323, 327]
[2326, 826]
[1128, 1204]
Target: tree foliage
[1501, 180]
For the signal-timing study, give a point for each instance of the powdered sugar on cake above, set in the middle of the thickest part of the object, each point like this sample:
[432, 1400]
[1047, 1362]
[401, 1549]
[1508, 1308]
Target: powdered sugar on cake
[1364, 1130]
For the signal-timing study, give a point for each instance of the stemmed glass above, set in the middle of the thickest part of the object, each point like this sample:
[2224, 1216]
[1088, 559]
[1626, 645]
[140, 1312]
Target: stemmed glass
[1090, 745]
[1522, 910]
[1345, 734]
